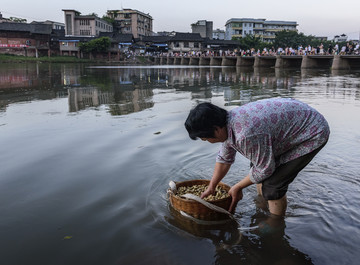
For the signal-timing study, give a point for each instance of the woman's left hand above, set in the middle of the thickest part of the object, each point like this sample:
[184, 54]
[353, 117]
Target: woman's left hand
[236, 195]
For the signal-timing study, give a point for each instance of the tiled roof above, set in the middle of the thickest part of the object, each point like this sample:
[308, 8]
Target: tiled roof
[221, 42]
[118, 37]
[187, 37]
[24, 27]
[156, 39]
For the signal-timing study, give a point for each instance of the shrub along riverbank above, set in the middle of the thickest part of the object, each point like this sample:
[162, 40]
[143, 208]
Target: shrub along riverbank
[9, 58]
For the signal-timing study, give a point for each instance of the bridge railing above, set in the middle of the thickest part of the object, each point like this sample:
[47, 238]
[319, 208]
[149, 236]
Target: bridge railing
[336, 62]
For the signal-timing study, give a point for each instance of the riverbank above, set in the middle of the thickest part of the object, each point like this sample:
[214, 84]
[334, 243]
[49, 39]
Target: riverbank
[8, 58]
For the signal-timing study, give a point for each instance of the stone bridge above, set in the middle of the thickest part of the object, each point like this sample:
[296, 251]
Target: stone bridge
[335, 62]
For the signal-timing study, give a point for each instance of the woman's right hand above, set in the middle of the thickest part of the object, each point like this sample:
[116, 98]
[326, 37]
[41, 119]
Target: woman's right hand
[210, 190]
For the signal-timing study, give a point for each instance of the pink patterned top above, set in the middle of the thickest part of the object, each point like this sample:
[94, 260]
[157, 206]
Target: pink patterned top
[272, 132]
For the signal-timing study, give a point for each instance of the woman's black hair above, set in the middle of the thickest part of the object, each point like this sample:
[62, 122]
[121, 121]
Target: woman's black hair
[202, 120]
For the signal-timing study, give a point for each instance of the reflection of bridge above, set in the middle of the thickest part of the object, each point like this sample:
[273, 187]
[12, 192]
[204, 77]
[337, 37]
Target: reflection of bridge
[336, 62]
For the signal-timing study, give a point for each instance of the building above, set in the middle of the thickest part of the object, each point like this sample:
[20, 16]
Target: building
[321, 38]
[340, 38]
[130, 21]
[186, 42]
[89, 26]
[119, 42]
[165, 33]
[221, 45]
[11, 19]
[204, 28]
[25, 39]
[54, 25]
[156, 43]
[266, 30]
[218, 34]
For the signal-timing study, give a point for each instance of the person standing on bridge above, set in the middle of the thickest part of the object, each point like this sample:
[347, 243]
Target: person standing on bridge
[279, 136]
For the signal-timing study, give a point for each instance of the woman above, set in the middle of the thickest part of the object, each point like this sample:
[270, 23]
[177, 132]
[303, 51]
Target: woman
[279, 136]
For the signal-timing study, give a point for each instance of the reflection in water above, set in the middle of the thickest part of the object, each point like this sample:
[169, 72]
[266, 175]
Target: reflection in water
[126, 90]
[119, 102]
[232, 244]
[100, 198]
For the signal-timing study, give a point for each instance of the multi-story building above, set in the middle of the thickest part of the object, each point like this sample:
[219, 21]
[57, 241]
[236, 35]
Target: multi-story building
[340, 38]
[54, 25]
[205, 28]
[25, 39]
[132, 21]
[266, 30]
[90, 25]
[218, 34]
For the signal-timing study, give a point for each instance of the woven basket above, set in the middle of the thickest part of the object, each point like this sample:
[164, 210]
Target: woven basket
[201, 230]
[197, 209]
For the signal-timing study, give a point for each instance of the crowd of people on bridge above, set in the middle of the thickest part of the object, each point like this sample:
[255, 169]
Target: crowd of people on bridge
[348, 49]
[308, 50]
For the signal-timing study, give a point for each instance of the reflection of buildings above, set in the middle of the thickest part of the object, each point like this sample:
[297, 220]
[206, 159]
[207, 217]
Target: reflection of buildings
[131, 101]
[120, 102]
[85, 97]
[70, 75]
[17, 77]
[125, 90]
[26, 82]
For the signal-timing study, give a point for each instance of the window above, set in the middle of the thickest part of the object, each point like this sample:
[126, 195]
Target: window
[69, 24]
[196, 45]
[186, 44]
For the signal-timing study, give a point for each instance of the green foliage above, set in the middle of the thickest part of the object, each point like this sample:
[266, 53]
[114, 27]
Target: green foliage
[251, 41]
[294, 39]
[19, 20]
[8, 58]
[109, 20]
[286, 38]
[97, 45]
[93, 14]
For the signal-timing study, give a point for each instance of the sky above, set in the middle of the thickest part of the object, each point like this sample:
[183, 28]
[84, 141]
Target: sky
[318, 18]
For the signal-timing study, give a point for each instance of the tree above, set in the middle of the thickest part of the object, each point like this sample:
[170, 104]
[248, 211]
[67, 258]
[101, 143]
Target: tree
[109, 20]
[97, 45]
[290, 38]
[294, 39]
[18, 20]
[93, 14]
[251, 41]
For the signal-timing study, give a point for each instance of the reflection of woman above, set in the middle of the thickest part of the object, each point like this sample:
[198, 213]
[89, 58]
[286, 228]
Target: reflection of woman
[279, 136]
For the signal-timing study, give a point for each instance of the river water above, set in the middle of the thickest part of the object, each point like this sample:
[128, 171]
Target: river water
[87, 152]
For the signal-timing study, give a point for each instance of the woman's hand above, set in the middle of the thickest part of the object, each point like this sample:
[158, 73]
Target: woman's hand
[210, 190]
[236, 192]
[236, 195]
[219, 172]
